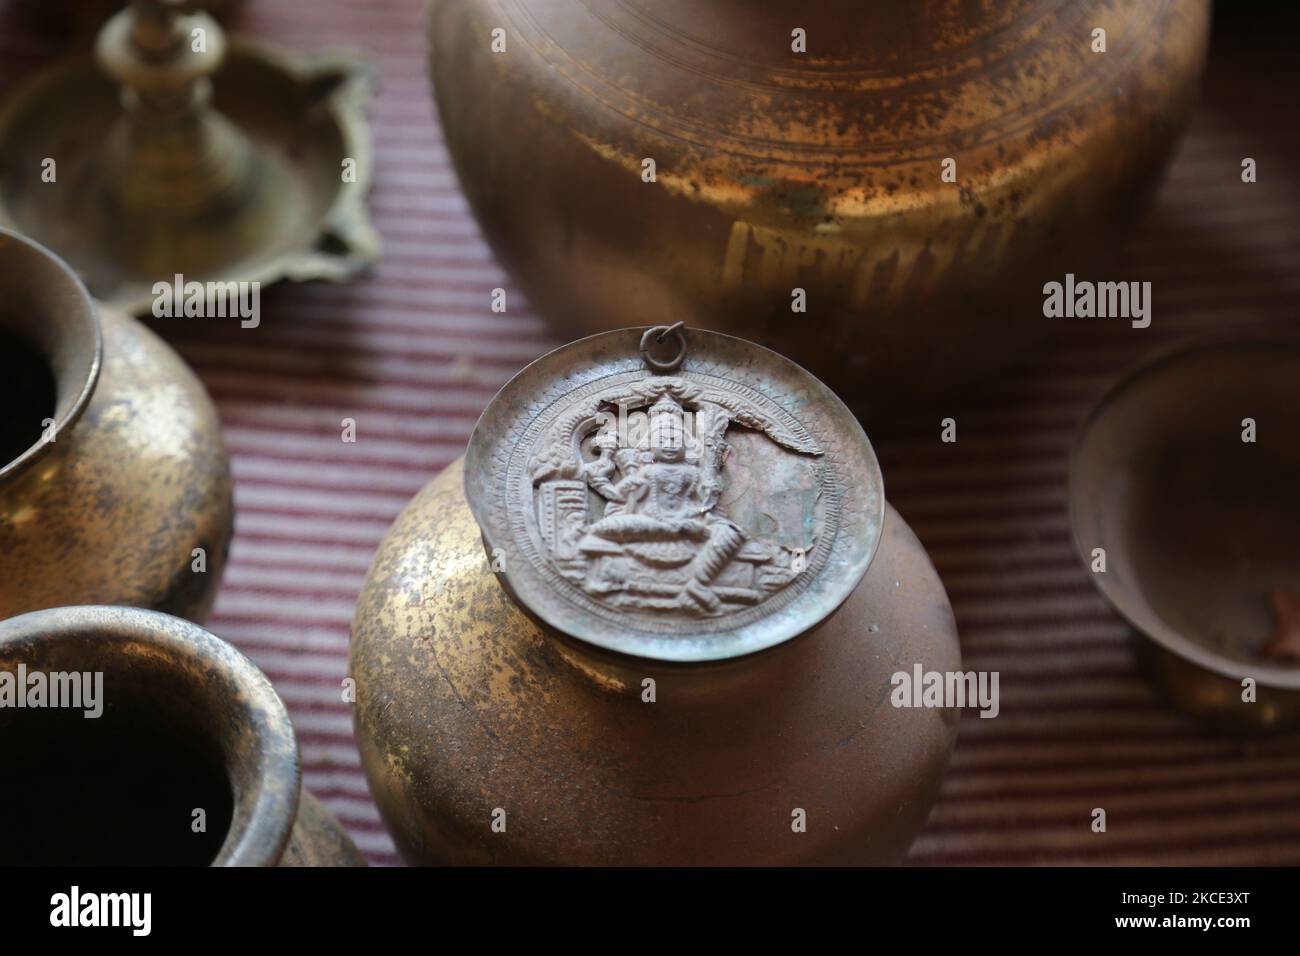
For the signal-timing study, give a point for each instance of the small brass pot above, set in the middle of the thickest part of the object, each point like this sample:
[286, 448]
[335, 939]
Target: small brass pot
[189, 760]
[821, 171]
[487, 738]
[115, 487]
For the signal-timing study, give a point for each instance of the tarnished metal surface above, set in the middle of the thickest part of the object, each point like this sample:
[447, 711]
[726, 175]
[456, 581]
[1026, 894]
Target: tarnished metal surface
[1198, 524]
[244, 183]
[777, 170]
[465, 707]
[704, 504]
[160, 674]
[137, 476]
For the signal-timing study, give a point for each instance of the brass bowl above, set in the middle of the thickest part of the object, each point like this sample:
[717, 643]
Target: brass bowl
[466, 706]
[113, 509]
[185, 724]
[1199, 527]
[820, 171]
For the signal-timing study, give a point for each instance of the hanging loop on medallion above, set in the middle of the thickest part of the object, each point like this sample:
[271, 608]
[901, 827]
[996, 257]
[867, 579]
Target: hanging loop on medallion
[658, 333]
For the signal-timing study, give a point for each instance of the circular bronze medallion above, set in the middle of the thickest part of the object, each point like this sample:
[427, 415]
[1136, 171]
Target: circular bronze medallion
[674, 494]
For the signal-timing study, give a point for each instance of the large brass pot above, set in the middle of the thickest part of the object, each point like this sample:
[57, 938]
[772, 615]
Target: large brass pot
[821, 171]
[114, 482]
[177, 751]
[489, 739]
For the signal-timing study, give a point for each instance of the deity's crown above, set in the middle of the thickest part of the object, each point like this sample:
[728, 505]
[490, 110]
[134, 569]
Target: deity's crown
[666, 405]
[667, 426]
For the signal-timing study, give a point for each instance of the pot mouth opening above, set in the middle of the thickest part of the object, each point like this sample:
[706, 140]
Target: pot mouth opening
[123, 789]
[135, 738]
[50, 350]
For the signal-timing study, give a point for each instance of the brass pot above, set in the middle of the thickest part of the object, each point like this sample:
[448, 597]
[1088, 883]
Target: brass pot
[190, 760]
[465, 705]
[821, 171]
[114, 482]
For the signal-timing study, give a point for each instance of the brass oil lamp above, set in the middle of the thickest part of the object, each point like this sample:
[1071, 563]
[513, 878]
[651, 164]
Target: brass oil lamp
[173, 152]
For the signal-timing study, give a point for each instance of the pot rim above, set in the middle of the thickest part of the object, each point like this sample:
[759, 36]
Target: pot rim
[265, 806]
[73, 394]
[1143, 619]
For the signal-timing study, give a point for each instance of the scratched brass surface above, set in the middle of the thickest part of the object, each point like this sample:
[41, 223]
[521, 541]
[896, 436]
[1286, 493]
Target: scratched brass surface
[465, 705]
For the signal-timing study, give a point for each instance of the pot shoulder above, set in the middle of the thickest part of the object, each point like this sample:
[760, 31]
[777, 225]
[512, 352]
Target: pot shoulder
[114, 512]
[879, 96]
[825, 172]
[469, 714]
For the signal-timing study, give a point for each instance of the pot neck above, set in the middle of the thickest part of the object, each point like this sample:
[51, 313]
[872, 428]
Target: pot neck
[45, 305]
[626, 672]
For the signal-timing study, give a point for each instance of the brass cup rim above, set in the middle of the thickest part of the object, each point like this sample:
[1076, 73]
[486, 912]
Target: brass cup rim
[258, 744]
[60, 320]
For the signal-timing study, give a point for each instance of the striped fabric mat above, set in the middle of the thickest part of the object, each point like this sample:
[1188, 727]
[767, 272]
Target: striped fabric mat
[413, 353]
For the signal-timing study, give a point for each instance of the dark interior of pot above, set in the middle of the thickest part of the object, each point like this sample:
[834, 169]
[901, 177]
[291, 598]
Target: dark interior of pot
[27, 394]
[185, 723]
[120, 789]
[1188, 475]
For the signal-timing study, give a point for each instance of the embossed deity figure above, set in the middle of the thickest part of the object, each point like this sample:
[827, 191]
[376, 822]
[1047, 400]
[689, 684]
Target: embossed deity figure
[639, 526]
[664, 507]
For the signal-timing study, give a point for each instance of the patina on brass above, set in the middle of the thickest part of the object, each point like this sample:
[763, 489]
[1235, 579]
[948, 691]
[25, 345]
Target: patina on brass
[245, 164]
[745, 688]
[821, 171]
[188, 723]
[1200, 527]
[114, 471]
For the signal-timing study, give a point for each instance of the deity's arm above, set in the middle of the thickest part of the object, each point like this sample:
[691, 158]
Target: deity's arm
[628, 487]
[604, 487]
[625, 458]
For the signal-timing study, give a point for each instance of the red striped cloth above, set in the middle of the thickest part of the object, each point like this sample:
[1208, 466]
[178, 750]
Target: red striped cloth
[413, 353]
